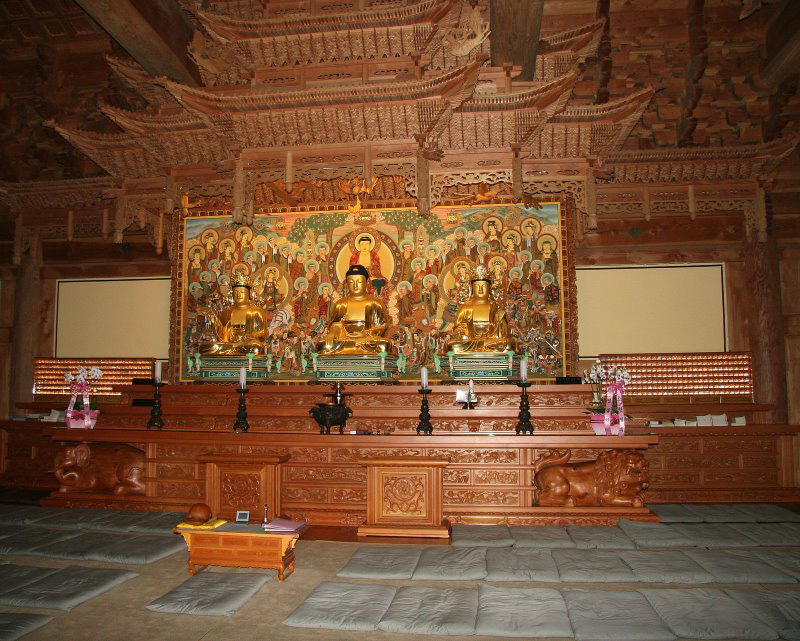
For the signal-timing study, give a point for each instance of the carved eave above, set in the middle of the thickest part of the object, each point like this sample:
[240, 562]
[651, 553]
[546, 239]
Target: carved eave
[119, 154]
[145, 123]
[211, 103]
[55, 194]
[582, 40]
[506, 120]
[707, 164]
[230, 28]
[176, 139]
[610, 123]
[138, 79]
[539, 96]
[562, 51]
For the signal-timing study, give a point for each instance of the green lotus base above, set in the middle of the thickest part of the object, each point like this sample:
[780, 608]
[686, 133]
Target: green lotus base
[489, 366]
[355, 368]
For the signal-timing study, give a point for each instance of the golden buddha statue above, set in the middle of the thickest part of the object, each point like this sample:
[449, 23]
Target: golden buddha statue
[357, 322]
[481, 324]
[240, 329]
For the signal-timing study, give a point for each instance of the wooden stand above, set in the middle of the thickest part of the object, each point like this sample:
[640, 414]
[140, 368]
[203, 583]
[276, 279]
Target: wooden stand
[243, 482]
[404, 497]
[246, 549]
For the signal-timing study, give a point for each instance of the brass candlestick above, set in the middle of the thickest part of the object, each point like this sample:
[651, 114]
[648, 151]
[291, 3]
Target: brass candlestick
[156, 421]
[524, 425]
[241, 425]
[425, 426]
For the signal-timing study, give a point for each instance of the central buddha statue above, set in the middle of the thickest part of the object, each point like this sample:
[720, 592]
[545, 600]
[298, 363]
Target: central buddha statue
[357, 322]
[240, 329]
[481, 324]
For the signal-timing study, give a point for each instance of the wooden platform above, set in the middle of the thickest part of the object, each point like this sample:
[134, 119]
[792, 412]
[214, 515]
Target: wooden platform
[489, 478]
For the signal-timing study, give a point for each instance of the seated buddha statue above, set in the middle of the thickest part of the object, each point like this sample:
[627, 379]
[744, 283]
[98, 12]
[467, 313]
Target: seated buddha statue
[357, 322]
[481, 324]
[240, 329]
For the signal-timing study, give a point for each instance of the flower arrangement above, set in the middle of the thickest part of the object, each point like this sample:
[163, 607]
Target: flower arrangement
[608, 406]
[81, 412]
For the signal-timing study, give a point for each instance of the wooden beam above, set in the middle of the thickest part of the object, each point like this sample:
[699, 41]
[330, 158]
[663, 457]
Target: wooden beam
[155, 32]
[783, 44]
[698, 61]
[514, 38]
[604, 62]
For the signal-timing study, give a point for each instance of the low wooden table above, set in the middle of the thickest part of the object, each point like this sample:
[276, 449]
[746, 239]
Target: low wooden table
[240, 546]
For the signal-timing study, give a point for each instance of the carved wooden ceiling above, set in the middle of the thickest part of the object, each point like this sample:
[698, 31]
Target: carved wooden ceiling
[641, 90]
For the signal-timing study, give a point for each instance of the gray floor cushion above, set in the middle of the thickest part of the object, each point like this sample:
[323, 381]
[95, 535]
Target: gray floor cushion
[613, 616]
[600, 537]
[703, 613]
[738, 566]
[779, 610]
[157, 523]
[14, 576]
[66, 588]
[210, 594]
[768, 513]
[674, 513]
[382, 562]
[343, 606]
[665, 566]
[720, 513]
[520, 564]
[14, 625]
[451, 564]
[8, 530]
[770, 534]
[654, 535]
[31, 538]
[714, 535]
[138, 549]
[514, 612]
[78, 547]
[592, 566]
[786, 561]
[431, 611]
[487, 536]
[541, 536]
[116, 521]
[72, 519]
[26, 515]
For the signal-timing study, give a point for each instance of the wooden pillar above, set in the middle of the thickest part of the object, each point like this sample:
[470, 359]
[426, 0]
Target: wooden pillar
[767, 327]
[25, 330]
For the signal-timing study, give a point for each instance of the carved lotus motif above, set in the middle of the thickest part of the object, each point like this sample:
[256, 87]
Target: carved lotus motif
[404, 495]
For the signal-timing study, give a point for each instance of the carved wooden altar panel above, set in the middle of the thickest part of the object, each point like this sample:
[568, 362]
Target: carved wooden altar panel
[243, 482]
[404, 496]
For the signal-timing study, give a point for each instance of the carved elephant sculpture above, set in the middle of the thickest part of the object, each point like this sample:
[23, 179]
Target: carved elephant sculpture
[100, 467]
[327, 416]
[616, 478]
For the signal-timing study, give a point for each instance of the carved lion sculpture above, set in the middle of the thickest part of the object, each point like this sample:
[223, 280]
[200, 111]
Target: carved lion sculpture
[100, 467]
[617, 478]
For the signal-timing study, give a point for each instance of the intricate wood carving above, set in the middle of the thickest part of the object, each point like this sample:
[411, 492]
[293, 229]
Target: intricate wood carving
[243, 482]
[404, 497]
[616, 478]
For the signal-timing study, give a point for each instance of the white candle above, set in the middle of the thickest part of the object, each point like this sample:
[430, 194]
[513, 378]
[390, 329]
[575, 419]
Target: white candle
[424, 376]
[523, 369]
[157, 375]
[471, 386]
[243, 377]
